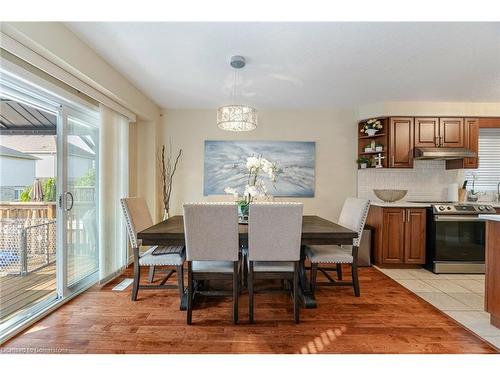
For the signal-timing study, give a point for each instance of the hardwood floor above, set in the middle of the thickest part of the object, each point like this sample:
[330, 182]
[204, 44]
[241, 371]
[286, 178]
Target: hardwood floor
[387, 318]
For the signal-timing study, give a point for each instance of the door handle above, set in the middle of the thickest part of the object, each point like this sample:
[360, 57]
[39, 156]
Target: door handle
[68, 194]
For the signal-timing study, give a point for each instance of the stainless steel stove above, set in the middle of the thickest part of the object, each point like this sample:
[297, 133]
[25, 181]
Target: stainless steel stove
[456, 238]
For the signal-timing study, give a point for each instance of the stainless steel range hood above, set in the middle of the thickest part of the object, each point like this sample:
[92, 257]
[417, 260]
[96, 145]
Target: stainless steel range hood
[422, 153]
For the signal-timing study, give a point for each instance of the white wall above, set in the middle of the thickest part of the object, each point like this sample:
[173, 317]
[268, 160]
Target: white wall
[333, 131]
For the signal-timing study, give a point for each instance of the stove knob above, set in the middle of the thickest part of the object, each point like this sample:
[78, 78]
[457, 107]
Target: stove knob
[448, 208]
[441, 208]
[481, 208]
[489, 208]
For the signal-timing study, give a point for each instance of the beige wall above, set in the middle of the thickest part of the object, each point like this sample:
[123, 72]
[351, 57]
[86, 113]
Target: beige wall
[333, 131]
[428, 109]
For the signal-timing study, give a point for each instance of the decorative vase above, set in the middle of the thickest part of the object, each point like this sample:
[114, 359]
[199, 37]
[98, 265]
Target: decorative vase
[371, 132]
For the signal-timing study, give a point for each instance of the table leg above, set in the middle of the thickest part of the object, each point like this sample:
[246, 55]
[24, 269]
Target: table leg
[305, 292]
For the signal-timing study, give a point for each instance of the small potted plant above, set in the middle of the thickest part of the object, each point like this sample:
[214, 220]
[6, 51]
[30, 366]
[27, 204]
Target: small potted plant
[371, 127]
[363, 162]
[368, 148]
[379, 147]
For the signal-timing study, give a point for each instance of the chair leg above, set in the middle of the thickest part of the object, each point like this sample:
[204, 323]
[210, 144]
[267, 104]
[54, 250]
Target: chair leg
[355, 281]
[137, 280]
[339, 271]
[314, 273]
[190, 295]
[151, 277]
[180, 279]
[296, 293]
[250, 292]
[235, 291]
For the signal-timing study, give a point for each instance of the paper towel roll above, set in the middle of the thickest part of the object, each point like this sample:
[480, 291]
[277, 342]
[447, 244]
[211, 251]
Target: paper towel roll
[453, 192]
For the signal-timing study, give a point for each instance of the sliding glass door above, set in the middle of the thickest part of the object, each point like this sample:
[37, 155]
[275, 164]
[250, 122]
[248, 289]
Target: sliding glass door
[49, 157]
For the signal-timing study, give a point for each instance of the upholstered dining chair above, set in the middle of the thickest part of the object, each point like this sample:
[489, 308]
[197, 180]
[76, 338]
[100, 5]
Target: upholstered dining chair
[138, 217]
[212, 249]
[274, 237]
[353, 216]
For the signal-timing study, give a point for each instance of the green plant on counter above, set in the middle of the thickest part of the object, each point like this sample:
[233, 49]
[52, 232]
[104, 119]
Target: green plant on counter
[363, 160]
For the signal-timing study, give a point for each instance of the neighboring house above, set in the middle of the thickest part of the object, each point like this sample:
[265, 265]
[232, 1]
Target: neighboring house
[17, 170]
[43, 147]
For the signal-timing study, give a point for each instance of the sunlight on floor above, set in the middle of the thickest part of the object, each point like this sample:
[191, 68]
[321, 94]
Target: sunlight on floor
[319, 343]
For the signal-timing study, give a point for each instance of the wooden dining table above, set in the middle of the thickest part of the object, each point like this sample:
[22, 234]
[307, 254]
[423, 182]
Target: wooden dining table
[315, 231]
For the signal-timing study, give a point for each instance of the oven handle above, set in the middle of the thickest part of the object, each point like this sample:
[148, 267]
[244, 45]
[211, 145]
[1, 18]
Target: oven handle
[472, 218]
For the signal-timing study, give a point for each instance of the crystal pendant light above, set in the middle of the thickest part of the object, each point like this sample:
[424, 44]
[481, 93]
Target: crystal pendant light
[236, 117]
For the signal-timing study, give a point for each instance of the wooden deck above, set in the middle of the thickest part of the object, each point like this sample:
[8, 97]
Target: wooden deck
[19, 293]
[387, 318]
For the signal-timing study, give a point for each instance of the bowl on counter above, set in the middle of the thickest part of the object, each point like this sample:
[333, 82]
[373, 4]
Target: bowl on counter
[390, 195]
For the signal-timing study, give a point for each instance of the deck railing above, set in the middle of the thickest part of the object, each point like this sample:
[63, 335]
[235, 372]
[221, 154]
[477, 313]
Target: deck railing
[26, 245]
[27, 210]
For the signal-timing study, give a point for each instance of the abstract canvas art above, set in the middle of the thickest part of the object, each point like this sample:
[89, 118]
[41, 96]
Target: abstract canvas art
[225, 166]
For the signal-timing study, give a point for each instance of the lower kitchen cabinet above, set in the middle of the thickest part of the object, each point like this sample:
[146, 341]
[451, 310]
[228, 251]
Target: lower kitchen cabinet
[399, 234]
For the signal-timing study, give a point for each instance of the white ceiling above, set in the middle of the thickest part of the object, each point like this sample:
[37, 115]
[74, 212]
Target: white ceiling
[303, 65]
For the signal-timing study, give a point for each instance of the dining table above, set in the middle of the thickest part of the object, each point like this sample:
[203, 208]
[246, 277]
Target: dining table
[315, 231]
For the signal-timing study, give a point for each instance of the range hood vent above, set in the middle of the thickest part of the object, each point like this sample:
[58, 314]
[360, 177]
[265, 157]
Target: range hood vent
[443, 153]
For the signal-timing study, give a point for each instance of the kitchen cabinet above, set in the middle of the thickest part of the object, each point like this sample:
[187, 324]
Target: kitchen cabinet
[451, 132]
[401, 142]
[426, 131]
[399, 235]
[472, 142]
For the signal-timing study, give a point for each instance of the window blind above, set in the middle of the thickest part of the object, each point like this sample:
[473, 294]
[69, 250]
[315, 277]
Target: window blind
[488, 173]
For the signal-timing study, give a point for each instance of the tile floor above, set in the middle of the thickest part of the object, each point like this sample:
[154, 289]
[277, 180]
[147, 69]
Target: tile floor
[459, 296]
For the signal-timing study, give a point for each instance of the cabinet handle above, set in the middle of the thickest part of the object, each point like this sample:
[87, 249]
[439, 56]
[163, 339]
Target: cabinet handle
[440, 141]
[404, 216]
[408, 216]
[436, 141]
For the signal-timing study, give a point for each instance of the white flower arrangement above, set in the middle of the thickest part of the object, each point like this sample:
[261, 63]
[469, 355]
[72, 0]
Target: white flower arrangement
[255, 187]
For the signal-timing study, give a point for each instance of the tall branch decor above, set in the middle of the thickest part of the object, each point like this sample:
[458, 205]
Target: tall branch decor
[168, 166]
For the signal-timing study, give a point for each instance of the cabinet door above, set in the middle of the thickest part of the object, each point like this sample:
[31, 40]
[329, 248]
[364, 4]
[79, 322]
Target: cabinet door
[401, 142]
[415, 236]
[393, 235]
[472, 141]
[451, 132]
[426, 131]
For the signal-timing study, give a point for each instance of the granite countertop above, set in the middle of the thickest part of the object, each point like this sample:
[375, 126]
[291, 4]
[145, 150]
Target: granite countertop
[490, 217]
[380, 203]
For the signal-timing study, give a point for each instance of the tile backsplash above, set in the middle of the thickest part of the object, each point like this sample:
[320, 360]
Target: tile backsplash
[427, 181]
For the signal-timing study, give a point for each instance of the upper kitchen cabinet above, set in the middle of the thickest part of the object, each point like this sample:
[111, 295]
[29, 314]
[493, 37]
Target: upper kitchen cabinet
[472, 142]
[451, 132]
[401, 142]
[426, 131]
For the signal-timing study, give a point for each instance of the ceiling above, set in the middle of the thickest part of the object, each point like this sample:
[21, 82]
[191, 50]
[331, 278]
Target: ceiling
[302, 65]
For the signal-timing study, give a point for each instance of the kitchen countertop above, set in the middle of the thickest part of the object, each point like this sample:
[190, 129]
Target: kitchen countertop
[490, 217]
[380, 203]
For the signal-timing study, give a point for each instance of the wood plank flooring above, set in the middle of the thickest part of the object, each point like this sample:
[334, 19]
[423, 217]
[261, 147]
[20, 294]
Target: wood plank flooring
[387, 318]
[21, 292]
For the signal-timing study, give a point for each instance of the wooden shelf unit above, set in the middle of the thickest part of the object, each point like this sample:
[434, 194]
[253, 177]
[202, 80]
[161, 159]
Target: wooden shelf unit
[381, 138]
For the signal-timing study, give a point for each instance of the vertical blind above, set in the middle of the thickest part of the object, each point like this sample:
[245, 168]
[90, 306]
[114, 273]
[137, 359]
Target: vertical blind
[488, 173]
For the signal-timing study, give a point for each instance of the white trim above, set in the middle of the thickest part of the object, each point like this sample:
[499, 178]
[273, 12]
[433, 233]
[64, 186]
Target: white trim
[16, 48]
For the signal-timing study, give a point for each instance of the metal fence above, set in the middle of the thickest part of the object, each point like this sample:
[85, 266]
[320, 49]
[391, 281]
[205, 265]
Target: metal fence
[26, 245]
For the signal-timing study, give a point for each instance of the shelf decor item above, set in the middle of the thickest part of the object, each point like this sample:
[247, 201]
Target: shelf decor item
[363, 162]
[379, 148]
[371, 127]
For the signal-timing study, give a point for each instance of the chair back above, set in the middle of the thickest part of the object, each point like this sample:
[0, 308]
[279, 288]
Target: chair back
[353, 216]
[274, 231]
[137, 217]
[211, 231]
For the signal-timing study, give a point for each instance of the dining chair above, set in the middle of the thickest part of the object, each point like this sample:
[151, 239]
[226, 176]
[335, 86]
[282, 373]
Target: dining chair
[138, 217]
[212, 252]
[274, 237]
[353, 216]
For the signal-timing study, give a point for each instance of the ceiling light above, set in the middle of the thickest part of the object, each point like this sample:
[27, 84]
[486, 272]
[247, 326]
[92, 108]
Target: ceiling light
[236, 117]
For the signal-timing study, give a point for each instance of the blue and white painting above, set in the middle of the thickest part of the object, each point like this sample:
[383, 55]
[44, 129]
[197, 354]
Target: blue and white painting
[225, 166]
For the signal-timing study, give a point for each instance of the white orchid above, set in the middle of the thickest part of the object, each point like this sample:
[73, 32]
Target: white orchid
[232, 191]
[251, 191]
[253, 163]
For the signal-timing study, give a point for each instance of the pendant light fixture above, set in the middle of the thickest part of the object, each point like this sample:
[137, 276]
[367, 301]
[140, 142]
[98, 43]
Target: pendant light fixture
[236, 117]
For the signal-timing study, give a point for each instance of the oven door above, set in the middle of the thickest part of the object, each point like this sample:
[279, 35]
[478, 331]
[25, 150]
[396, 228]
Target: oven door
[459, 238]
